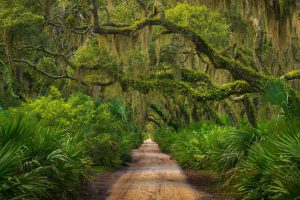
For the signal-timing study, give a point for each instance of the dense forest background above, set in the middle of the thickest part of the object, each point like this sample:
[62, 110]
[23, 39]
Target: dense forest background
[110, 70]
[55, 43]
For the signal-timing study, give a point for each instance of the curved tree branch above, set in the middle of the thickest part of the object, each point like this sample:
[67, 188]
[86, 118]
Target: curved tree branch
[187, 75]
[33, 66]
[65, 76]
[237, 69]
[166, 84]
[183, 88]
[238, 99]
[292, 75]
[49, 52]
[151, 119]
[163, 117]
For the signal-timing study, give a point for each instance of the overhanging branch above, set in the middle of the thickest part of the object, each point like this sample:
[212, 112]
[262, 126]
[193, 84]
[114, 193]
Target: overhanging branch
[65, 76]
[237, 69]
[292, 75]
[168, 85]
[49, 52]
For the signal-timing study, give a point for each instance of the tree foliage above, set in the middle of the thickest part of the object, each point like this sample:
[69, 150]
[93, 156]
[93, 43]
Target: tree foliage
[210, 25]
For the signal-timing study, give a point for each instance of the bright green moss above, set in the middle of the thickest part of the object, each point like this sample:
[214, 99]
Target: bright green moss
[169, 86]
[193, 76]
[190, 76]
[292, 74]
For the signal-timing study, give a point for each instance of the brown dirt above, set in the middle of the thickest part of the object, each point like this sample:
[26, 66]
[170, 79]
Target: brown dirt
[199, 179]
[207, 181]
[152, 175]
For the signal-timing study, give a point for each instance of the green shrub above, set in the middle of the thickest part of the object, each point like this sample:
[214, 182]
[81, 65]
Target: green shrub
[104, 150]
[261, 163]
[48, 153]
[272, 168]
[114, 148]
[107, 131]
[36, 162]
[77, 113]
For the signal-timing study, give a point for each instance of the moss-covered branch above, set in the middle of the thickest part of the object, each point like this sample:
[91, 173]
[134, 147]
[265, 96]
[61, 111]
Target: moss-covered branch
[239, 71]
[165, 83]
[159, 112]
[127, 30]
[173, 86]
[48, 52]
[187, 75]
[151, 119]
[65, 76]
[194, 76]
[292, 75]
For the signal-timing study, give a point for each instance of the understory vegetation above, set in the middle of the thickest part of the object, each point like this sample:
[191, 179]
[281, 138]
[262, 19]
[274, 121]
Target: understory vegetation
[251, 163]
[49, 146]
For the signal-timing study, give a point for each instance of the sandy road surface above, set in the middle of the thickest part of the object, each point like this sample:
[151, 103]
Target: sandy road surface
[153, 175]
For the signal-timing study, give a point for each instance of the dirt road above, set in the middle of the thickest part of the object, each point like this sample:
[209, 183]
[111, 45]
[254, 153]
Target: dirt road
[153, 175]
